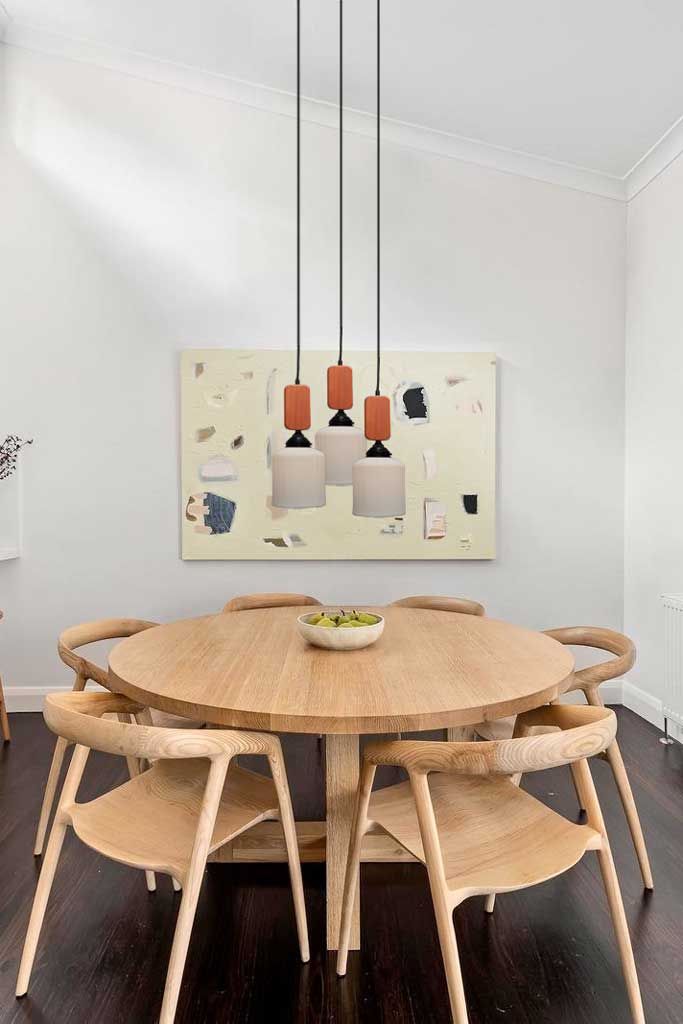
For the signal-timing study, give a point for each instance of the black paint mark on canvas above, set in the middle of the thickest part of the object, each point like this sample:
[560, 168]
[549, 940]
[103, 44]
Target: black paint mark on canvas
[415, 405]
[471, 504]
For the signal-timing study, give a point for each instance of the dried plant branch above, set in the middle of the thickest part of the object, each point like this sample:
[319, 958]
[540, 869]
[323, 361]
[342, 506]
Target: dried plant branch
[9, 452]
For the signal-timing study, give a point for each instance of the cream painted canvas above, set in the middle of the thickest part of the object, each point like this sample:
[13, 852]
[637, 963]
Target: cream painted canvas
[443, 429]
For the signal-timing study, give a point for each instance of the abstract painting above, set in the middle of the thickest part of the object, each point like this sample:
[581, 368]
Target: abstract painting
[443, 429]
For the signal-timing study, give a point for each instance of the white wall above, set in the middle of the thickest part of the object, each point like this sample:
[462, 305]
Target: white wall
[654, 422]
[138, 219]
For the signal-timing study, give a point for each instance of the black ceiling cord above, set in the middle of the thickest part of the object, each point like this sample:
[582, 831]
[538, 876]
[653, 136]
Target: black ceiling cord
[298, 190]
[378, 191]
[341, 183]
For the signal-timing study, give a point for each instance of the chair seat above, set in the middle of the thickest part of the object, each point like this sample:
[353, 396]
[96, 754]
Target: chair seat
[151, 821]
[494, 837]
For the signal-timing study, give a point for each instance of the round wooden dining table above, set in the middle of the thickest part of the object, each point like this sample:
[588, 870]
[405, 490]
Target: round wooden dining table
[251, 669]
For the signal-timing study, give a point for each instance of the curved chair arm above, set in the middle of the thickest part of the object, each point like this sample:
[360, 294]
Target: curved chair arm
[441, 604]
[579, 732]
[89, 633]
[245, 602]
[602, 640]
[78, 717]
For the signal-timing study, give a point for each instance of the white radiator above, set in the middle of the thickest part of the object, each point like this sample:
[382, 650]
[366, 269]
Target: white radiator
[673, 659]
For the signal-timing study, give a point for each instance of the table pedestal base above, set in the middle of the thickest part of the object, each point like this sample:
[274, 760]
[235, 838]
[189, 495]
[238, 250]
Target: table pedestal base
[265, 844]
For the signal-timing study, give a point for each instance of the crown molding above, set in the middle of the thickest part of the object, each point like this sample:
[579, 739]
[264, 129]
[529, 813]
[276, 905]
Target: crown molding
[318, 112]
[4, 21]
[398, 133]
[657, 159]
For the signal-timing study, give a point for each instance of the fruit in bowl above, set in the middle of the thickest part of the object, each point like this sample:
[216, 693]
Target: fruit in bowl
[340, 630]
[343, 619]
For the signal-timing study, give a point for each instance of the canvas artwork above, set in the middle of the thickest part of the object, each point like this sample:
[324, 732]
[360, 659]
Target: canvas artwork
[443, 428]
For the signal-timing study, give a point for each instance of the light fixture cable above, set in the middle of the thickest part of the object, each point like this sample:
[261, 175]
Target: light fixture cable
[298, 191]
[341, 183]
[378, 200]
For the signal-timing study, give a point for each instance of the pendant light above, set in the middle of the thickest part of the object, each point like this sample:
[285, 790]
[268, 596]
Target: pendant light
[379, 480]
[298, 470]
[341, 442]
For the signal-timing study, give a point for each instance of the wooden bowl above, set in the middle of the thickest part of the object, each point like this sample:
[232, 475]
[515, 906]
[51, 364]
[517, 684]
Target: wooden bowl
[336, 639]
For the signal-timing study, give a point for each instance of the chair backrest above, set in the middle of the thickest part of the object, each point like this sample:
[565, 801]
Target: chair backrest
[579, 732]
[601, 640]
[78, 717]
[248, 601]
[90, 633]
[442, 604]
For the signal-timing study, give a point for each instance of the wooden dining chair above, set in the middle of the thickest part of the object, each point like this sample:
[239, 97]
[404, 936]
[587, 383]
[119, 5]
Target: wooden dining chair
[462, 815]
[69, 642]
[460, 605]
[588, 680]
[4, 720]
[247, 601]
[169, 818]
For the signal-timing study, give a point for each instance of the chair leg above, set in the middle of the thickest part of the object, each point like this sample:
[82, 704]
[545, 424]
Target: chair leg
[192, 884]
[4, 720]
[616, 906]
[451, 959]
[587, 789]
[441, 898]
[616, 762]
[47, 874]
[134, 769]
[358, 829]
[577, 791]
[49, 794]
[630, 810]
[277, 767]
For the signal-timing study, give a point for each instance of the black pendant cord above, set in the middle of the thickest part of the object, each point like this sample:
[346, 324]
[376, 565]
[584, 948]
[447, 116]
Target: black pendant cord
[378, 206]
[298, 191]
[341, 183]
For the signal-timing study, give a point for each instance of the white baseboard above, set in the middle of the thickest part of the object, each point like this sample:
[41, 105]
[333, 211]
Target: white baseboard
[644, 704]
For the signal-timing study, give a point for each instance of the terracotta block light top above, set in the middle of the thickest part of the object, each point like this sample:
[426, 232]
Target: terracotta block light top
[339, 387]
[377, 418]
[297, 407]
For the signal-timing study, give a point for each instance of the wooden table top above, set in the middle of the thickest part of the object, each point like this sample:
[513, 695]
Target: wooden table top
[429, 669]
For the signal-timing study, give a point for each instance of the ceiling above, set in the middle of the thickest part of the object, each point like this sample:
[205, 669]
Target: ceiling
[591, 83]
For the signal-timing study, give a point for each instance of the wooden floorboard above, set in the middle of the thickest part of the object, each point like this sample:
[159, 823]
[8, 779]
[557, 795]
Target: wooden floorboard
[547, 954]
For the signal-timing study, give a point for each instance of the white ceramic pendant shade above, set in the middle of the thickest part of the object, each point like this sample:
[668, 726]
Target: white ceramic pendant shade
[298, 476]
[379, 487]
[341, 446]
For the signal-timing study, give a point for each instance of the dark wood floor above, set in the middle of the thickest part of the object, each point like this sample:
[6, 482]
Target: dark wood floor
[547, 955]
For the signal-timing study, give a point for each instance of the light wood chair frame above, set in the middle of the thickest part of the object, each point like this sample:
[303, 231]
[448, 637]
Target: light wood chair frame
[588, 681]
[578, 733]
[77, 717]
[245, 602]
[69, 641]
